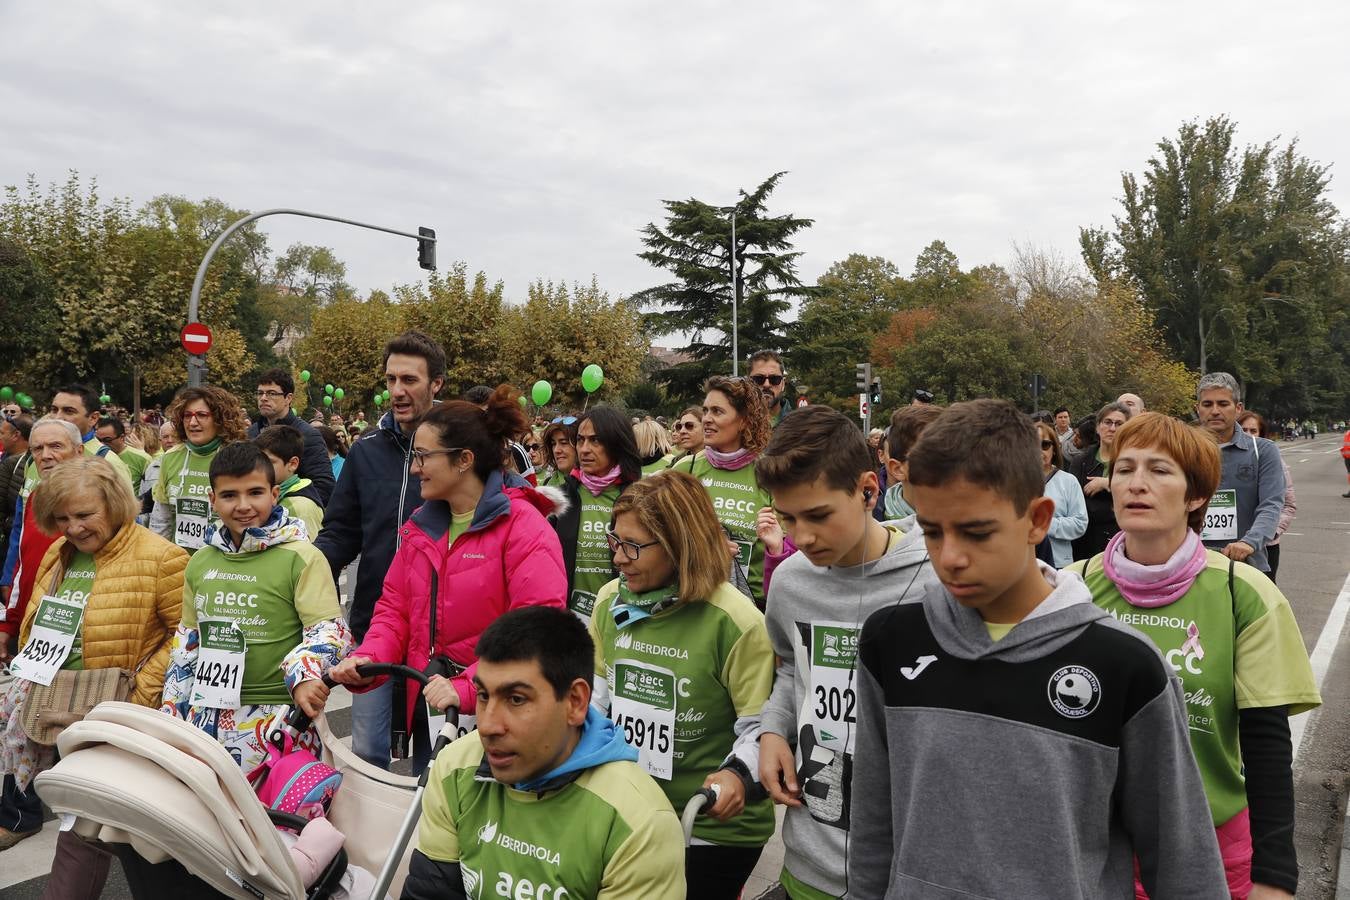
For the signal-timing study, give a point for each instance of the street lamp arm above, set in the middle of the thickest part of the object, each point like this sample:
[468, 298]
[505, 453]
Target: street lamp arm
[195, 363]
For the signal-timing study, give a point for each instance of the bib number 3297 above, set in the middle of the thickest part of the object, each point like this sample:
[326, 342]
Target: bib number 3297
[49, 643]
[643, 708]
[1221, 517]
[220, 664]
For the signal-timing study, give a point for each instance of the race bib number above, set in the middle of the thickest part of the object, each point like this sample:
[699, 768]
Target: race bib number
[1221, 517]
[55, 628]
[643, 708]
[437, 718]
[582, 604]
[191, 515]
[747, 549]
[220, 664]
[832, 704]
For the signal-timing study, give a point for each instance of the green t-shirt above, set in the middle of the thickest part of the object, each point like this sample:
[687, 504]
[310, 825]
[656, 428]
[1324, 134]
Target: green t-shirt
[184, 488]
[272, 595]
[459, 524]
[609, 833]
[136, 462]
[659, 466]
[737, 498]
[595, 564]
[76, 585]
[1231, 651]
[999, 630]
[720, 668]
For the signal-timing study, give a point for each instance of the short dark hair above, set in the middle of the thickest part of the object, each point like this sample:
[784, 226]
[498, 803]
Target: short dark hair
[614, 431]
[477, 395]
[280, 377]
[815, 442]
[907, 423]
[22, 423]
[114, 423]
[1086, 429]
[87, 396]
[989, 443]
[415, 343]
[766, 356]
[552, 637]
[285, 441]
[239, 459]
[1061, 409]
[459, 423]
[330, 440]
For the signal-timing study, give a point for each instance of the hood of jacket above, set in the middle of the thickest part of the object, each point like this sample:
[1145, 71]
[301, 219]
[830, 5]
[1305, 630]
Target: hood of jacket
[433, 517]
[600, 743]
[279, 528]
[1058, 619]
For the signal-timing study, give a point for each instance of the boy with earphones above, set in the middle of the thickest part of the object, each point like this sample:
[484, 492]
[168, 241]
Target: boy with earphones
[820, 474]
[1014, 740]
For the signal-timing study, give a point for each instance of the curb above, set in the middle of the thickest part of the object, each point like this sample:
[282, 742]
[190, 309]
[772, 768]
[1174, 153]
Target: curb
[1343, 873]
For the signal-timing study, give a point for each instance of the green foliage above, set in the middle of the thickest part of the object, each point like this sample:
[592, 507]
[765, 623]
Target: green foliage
[695, 247]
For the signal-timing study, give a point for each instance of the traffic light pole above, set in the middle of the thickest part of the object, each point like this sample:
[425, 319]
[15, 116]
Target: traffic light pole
[196, 367]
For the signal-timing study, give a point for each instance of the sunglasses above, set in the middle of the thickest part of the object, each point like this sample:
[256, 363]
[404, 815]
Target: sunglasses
[566, 420]
[1047, 445]
[762, 380]
[685, 426]
[534, 446]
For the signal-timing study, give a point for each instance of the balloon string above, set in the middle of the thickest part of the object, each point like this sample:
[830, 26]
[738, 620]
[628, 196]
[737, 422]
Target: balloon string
[587, 403]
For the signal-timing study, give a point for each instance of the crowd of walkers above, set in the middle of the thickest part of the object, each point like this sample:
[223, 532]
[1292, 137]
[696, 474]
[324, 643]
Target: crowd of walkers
[977, 653]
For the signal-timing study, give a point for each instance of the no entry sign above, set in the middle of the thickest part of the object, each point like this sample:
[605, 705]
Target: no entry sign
[195, 338]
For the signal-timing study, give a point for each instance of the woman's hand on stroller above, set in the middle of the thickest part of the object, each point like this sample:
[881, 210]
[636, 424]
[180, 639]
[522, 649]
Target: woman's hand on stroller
[730, 795]
[440, 693]
[310, 696]
[345, 672]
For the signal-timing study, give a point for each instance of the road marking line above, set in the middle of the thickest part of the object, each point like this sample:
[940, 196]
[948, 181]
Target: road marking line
[1321, 657]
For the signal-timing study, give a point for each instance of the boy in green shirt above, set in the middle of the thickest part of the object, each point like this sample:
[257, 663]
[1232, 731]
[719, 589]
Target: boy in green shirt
[284, 445]
[261, 620]
[545, 799]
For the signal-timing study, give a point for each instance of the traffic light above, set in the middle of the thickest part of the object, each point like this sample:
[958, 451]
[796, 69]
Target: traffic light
[874, 393]
[426, 249]
[864, 377]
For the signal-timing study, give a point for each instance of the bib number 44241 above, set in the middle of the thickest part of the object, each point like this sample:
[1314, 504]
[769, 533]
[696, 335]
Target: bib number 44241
[220, 664]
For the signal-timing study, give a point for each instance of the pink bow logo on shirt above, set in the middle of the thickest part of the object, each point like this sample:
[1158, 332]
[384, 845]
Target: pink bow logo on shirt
[1192, 644]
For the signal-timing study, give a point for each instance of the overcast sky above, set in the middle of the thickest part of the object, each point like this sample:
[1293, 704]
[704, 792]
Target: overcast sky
[537, 138]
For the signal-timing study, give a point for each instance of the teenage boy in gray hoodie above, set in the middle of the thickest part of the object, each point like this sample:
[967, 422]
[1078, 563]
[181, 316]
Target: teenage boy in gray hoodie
[1014, 740]
[821, 476]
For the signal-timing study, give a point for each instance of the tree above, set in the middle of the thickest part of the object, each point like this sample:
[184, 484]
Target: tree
[345, 346]
[1241, 259]
[463, 317]
[695, 247]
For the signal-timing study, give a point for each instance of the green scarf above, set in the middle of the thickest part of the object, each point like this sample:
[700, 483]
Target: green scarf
[290, 482]
[629, 607]
[206, 449]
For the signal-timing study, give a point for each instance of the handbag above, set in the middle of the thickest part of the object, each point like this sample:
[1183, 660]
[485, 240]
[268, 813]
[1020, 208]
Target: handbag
[50, 709]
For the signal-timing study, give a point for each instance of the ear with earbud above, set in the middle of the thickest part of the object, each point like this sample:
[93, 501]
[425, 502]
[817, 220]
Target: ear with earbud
[867, 496]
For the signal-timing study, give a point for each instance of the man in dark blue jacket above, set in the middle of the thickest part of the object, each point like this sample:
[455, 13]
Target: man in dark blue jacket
[375, 495]
[276, 388]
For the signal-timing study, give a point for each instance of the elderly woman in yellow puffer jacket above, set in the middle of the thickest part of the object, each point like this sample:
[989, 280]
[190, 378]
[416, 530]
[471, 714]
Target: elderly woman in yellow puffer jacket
[129, 582]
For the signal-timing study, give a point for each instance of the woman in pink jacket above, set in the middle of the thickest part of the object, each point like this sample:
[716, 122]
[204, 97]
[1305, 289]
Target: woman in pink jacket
[478, 546]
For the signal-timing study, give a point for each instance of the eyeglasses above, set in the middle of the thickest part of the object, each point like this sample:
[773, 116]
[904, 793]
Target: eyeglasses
[762, 380]
[566, 420]
[198, 416]
[420, 456]
[110, 440]
[630, 550]
[1047, 445]
[270, 395]
[685, 426]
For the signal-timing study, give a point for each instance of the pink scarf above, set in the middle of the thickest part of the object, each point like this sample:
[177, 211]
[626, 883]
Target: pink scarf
[598, 484]
[738, 459]
[1151, 586]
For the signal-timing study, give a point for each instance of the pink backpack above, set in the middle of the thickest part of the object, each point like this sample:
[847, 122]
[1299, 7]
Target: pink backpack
[292, 780]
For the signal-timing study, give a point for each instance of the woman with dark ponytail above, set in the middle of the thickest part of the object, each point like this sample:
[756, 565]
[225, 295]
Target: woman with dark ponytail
[474, 549]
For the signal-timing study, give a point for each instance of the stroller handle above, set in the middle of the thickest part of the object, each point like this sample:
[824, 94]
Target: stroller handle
[703, 797]
[374, 670]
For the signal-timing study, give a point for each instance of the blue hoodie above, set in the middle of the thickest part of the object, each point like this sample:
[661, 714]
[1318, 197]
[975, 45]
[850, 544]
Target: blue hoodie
[600, 743]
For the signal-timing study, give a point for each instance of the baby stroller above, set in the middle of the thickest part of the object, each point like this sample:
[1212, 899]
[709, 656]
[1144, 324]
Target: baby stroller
[173, 806]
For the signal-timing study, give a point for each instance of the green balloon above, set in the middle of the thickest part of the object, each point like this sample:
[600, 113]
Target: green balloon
[592, 377]
[105, 399]
[328, 389]
[386, 396]
[542, 392]
[304, 375]
[339, 393]
[6, 393]
[327, 401]
[523, 402]
[25, 401]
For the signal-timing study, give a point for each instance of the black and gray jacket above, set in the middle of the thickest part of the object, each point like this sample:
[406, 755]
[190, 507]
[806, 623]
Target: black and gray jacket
[1040, 765]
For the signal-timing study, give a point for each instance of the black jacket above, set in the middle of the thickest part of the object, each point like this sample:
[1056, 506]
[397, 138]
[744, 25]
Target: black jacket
[11, 483]
[375, 495]
[1101, 514]
[314, 462]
